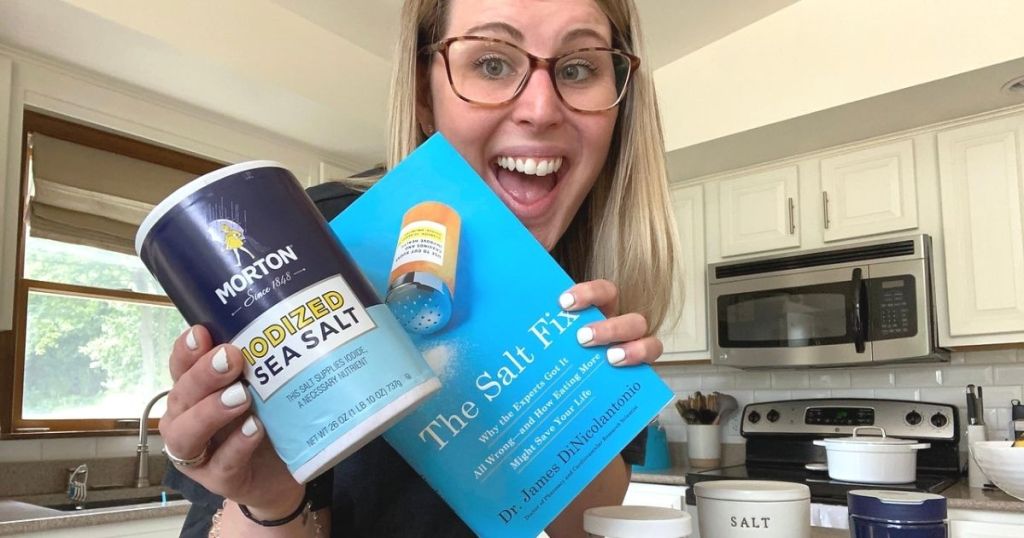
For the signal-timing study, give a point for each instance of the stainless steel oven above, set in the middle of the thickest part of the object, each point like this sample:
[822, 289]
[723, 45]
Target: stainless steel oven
[866, 303]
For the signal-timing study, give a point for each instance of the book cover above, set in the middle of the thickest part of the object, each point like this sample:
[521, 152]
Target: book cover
[526, 416]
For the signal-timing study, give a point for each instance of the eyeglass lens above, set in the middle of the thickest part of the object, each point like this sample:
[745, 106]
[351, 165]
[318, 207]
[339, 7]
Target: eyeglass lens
[491, 72]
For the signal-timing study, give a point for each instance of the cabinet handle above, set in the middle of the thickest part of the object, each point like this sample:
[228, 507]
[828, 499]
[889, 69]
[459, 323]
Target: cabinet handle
[824, 203]
[792, 220]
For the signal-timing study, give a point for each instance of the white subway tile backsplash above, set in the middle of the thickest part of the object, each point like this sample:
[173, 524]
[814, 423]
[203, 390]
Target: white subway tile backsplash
[992, 356]
[871, 378]
[810, 393]
[954, 396]
[117, 447]
[753, 380]
[789, 380]
[675, 434]
[771, 395]
[1009, 375]
[960, 376]
[898, 394]
[682, 383]
[918, 377]
[957, 357]
[65, 449]
[853, 393]
[838, 379]
[713, 382]
[21, 450]
[1000, 396]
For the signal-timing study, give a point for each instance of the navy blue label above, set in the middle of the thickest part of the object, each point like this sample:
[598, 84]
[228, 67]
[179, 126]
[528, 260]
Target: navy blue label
[242, 244]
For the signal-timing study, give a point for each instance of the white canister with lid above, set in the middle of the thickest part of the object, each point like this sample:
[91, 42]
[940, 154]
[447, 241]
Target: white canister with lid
[753, 509]
[636, 522]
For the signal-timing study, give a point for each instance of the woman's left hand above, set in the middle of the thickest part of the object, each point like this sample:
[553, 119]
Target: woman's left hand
[626, 333]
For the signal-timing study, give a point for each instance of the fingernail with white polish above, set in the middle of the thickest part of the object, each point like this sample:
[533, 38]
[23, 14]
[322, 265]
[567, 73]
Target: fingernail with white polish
[249, 427]
[566, 300]
[234, 395]
[616, 355]
[584, 335]
[190, 340]
[220, 361]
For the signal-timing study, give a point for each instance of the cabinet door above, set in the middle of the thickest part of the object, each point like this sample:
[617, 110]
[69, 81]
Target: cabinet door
[869, 192]
[690, 331]
[759, 212]
[980, 183]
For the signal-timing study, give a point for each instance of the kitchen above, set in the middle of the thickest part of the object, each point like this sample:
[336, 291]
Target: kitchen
[755, 143]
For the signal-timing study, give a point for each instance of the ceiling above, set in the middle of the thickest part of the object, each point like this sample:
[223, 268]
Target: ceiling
[315, 71]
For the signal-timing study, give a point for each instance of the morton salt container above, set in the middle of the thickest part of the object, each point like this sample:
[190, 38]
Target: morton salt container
[244, 252]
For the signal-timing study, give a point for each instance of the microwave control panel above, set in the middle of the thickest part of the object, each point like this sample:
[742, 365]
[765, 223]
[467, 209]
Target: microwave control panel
[892, 307]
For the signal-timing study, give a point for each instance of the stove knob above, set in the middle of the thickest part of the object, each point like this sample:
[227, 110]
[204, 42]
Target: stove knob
[772, 416]
[754, 417]
[913, 418]
[939, 420]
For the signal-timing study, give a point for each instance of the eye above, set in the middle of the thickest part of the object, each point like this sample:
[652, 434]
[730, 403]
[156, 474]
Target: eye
[577, 70]
[494, 66]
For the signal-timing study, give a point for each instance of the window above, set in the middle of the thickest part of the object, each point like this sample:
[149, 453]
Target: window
[92, 327]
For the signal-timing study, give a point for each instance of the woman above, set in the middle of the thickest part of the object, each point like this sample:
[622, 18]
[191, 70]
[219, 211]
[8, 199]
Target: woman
[544, 100]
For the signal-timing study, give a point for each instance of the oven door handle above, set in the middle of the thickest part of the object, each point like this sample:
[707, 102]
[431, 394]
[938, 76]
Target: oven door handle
[858, 310]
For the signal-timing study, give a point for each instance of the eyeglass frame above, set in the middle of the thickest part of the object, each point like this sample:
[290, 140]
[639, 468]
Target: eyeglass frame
[547, 63]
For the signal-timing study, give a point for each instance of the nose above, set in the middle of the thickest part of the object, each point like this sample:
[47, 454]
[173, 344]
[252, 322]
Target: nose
[538, 106]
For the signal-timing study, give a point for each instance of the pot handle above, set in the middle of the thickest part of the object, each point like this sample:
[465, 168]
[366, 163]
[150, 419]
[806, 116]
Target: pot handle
[920, 446]
[819, 442]
[858, 428]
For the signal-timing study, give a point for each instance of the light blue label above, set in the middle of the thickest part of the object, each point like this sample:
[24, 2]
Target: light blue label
[342, 389]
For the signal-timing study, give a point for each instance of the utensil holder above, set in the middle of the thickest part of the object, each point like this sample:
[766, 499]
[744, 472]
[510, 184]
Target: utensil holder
[976, 478]
[704, 445]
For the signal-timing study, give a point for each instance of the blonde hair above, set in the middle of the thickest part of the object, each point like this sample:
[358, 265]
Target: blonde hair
[624, 230]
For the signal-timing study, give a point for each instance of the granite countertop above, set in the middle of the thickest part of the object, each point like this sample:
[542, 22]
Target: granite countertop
[25, 514]
[959, 496]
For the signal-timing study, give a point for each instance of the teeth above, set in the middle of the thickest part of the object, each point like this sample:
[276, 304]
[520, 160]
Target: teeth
[530, 166]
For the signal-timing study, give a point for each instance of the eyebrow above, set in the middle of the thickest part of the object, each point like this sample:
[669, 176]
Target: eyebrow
[514, 33]
[500, 27]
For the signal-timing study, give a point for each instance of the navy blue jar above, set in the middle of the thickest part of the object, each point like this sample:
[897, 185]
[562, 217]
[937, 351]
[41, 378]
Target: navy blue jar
[896, 514]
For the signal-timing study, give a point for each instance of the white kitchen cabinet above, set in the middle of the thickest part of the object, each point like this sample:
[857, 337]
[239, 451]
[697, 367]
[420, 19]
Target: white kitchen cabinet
[981, 187]
[983, 524]
[758, 212]
[688, 334]
[869, 192]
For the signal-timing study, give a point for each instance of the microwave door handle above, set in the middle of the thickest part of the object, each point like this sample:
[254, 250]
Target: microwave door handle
[858, 310]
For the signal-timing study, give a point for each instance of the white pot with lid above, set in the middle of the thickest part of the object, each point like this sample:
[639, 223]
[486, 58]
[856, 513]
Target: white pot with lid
[871, 459]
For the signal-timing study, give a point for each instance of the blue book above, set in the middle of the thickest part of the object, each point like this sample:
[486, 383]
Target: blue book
[526, 416]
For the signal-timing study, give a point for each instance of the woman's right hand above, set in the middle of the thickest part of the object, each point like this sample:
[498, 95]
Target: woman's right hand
[209, 407]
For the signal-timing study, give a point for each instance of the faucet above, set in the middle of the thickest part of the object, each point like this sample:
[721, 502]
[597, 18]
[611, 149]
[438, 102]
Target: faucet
[142, 476]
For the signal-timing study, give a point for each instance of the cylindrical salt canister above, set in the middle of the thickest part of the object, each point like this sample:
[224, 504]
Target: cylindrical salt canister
[896, 514]
[245, 253]
[753, 509]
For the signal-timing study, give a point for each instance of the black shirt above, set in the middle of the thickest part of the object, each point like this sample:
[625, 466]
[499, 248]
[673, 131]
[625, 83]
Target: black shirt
[372, 493]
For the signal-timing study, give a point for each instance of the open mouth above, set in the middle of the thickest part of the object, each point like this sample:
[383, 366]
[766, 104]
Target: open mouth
[527, 184]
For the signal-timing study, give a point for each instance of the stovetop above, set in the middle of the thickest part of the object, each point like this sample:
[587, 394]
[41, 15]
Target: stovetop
[823, 489]
[780, 441]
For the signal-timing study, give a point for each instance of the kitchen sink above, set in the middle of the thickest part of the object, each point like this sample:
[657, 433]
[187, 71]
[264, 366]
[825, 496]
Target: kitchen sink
[111, 503]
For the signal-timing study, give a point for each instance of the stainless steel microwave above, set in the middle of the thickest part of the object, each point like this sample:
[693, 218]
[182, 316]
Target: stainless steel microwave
[859, 304]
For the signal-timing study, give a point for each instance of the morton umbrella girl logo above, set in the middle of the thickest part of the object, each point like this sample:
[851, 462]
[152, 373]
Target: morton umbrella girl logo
[231, 236]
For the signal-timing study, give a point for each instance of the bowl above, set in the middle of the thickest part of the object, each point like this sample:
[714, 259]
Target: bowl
[1003, 464]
